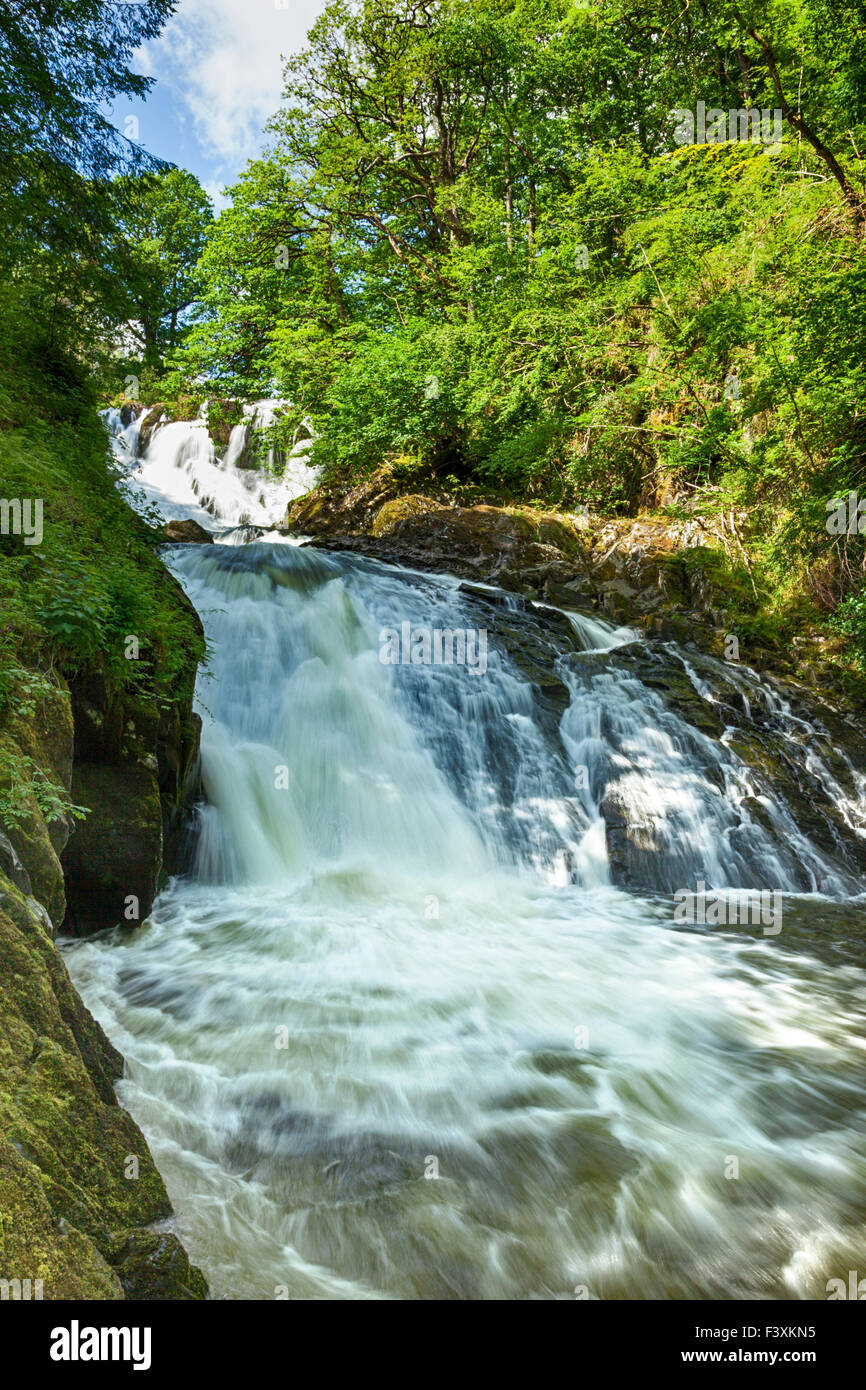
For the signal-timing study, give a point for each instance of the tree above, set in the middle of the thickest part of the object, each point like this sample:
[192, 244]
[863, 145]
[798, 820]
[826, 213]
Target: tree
[61, 61]
[164, 221]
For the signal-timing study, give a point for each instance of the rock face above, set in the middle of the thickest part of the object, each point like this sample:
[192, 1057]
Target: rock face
[517, 547]
[136, 769]
[679, 579]
[152, 416]
[77, 1181]
[624, 569]
[114, 859]
[129, 411]
[47, 740]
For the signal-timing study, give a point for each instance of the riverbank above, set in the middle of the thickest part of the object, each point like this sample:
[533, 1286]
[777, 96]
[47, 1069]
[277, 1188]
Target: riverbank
[98, 759]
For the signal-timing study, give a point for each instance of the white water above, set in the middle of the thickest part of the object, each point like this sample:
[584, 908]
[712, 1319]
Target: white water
[181, 475]
[398, 947]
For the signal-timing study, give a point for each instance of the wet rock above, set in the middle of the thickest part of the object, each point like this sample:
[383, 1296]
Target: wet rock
[113, 861]
[136, 769]
[154, 1265]
[518, 549]
[153, 416]
[129, 411]
[189, 531]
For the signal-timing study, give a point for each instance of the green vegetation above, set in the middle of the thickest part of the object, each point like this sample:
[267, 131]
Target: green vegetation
[69, 603]
[477, 243]
[164, 219]
[486, 245]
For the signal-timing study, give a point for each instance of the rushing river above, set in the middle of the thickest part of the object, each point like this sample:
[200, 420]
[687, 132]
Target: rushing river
[396, 1034]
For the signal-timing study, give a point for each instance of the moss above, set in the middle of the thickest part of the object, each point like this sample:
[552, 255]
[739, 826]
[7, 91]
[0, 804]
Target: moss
[68, 1186]
[36, 1244]
[154, 1265]
[398, 509]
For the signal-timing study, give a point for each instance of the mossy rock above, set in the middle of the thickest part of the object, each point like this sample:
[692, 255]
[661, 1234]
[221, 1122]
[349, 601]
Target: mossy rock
[68, 1182]
[398, 509]
[154, 1265]
[31, 840]
[37, 1244]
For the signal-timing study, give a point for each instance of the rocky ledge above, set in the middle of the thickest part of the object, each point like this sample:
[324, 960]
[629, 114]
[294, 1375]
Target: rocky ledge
[777, 703]
[686, 580]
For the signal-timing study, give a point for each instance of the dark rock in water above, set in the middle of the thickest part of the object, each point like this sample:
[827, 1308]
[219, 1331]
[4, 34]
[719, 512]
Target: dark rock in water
[188, 531]
[113, 860]
[152, 417]
[154, 1265]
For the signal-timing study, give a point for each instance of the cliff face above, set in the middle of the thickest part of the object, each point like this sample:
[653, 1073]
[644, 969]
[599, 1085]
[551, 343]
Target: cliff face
[78, 1186]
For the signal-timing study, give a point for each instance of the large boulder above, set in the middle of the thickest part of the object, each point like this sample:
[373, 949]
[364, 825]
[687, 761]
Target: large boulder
[189, 531]
[518, 548]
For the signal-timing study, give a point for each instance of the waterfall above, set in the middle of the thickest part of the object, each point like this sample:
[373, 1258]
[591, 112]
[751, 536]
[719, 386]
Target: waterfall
[397, 1032]
[181, 474]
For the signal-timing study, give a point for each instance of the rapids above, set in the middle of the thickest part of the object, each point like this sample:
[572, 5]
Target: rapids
[397, 1034]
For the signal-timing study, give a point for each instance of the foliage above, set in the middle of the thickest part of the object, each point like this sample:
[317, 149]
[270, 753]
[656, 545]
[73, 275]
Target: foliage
[164, 218]
[491, 196]
[21, 779]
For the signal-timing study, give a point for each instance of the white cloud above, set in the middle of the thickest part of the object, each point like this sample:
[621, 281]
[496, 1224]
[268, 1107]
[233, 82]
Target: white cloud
[214, 190]
[223, 59]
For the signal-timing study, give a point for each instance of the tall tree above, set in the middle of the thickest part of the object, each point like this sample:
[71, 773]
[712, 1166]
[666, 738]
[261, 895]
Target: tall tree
[61, 61]
[165, 218]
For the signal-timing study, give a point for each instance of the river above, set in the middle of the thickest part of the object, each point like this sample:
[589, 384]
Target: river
[397, 1034]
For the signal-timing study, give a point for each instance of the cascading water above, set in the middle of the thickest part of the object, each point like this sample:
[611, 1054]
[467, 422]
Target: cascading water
[396, 1035]
[182, 475]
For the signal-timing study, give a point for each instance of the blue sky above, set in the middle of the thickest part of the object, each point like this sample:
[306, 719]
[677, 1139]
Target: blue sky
[218, 70]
